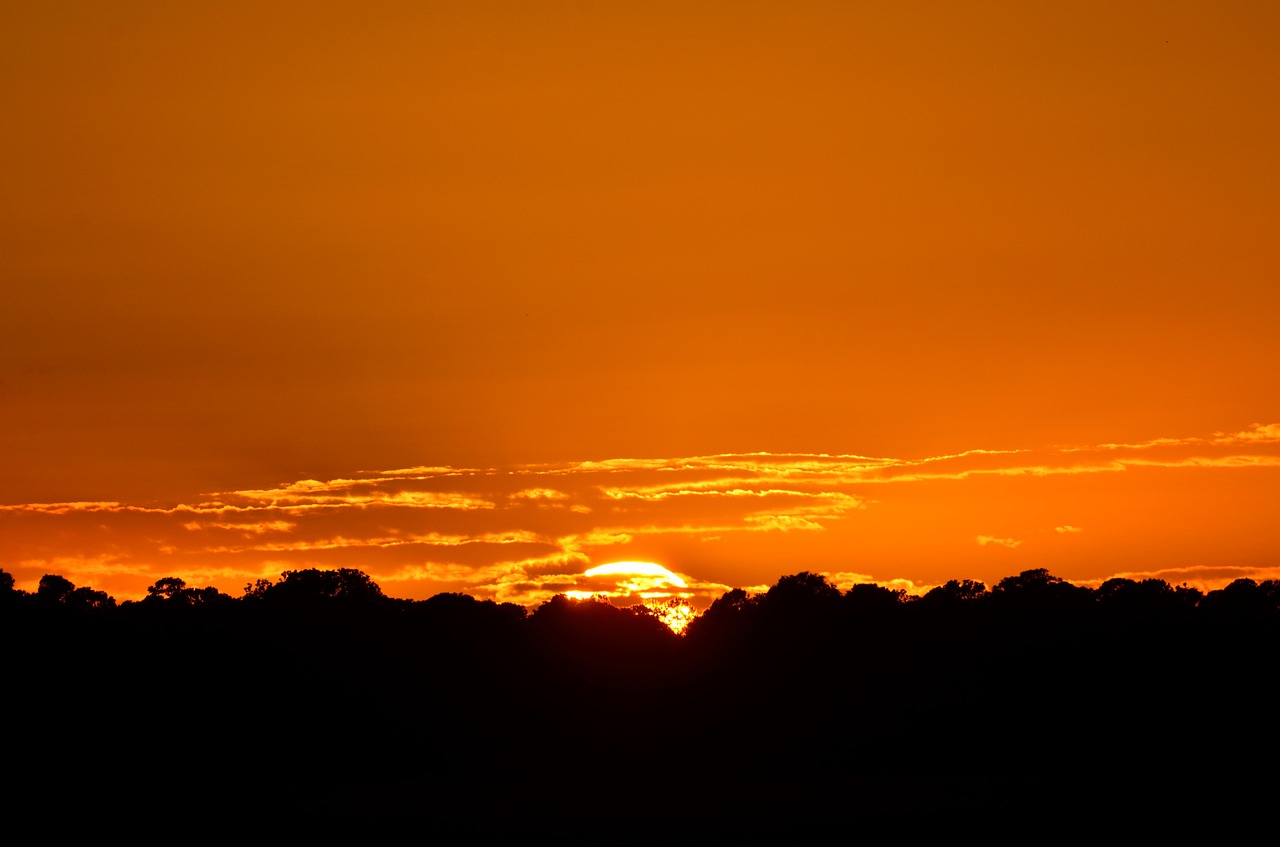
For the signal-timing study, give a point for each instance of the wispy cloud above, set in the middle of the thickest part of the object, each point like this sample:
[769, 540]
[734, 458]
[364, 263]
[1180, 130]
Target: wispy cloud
[1256, 433]
[540, 494]
[985, 540]
[259, 528]
[66, 508]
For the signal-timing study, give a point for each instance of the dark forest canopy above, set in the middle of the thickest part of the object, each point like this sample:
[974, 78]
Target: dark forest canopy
[781, 711]
[805, 594]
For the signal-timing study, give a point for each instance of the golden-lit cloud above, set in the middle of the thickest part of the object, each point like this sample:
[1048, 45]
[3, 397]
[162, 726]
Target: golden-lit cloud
[260, 528]
[65, 508]
[782, 523]
[541, 494]
[344, 494]
[1067, 529]
[984, 540]
[1265, 433]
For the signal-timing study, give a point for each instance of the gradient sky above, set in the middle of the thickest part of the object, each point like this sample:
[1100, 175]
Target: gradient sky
[505, 270]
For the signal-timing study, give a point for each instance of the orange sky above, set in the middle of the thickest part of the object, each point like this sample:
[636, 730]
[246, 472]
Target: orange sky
[245, 245]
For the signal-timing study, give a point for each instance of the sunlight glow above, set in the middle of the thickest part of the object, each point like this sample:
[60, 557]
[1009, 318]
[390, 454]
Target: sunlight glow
[675, 613]
[657, 588]
[648, 569]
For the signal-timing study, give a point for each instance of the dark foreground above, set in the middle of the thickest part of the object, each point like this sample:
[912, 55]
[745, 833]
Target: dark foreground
[795, 714]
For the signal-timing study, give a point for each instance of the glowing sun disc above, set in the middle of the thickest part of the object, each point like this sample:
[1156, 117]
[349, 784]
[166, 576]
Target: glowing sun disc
[648, 569]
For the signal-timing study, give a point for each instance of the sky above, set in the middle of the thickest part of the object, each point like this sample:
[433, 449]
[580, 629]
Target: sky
[478, 296]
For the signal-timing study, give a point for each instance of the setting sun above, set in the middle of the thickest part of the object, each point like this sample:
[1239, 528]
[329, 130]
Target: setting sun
[637, 581]
[650, 570]
[663, 592]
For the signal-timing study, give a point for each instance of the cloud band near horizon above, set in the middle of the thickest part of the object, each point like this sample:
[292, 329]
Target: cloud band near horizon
[524, 533]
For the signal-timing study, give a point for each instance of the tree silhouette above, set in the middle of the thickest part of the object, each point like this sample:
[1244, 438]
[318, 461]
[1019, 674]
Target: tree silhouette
[167, 588]
[54, 589]
[1038, 595]
[173, 592]
[955, 591]
[315, 589]
[871, 600]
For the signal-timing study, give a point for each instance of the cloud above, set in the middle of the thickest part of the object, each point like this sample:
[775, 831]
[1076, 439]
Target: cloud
[783, 523]
[66, 508]
[259, 528]
[423, 472]
[338, 494]
[1258, 433]
[985, 540]
[713, 488]
[432, 539]
[1144, 445]
[540, 494]
[1067, 529]
[1234, 461]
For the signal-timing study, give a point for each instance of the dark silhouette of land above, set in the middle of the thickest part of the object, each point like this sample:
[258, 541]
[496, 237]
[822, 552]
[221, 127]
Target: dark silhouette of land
[318, 701]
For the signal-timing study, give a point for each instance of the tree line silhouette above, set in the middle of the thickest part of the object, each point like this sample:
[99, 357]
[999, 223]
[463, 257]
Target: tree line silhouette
[318, 698]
